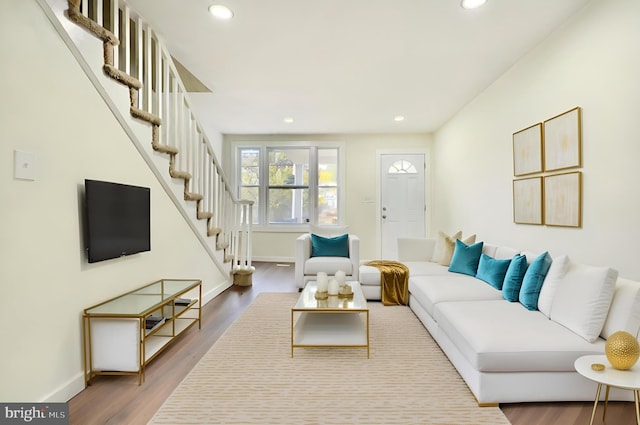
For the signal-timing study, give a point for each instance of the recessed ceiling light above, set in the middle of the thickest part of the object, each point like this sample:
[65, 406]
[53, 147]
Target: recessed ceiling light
[398, 118]
[220, 11]
[472, 4]
[288, 120]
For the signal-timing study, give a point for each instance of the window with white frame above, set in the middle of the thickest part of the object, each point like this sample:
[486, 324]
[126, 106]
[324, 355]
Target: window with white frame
[290, 184]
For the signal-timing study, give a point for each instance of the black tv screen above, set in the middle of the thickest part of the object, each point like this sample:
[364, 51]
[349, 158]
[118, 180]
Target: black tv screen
[118, 219]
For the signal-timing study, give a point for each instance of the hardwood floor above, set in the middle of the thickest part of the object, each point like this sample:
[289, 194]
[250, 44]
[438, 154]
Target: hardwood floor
[119, 400]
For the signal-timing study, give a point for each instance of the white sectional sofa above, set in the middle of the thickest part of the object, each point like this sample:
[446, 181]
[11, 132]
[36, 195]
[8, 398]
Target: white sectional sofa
[505, 352]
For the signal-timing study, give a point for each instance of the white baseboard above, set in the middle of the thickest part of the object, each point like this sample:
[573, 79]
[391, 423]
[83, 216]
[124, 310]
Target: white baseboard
[211, 294]
[275, 259]
[67, 391]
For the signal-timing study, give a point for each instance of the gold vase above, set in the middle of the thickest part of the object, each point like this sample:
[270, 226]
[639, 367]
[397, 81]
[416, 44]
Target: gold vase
[622, 350]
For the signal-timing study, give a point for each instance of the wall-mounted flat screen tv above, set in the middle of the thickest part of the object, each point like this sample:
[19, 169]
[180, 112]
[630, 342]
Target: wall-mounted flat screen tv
[118, 219]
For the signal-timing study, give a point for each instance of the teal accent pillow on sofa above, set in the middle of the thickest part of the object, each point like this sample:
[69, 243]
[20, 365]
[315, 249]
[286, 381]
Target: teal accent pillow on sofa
[466, 258]
[330, 247]
[492, 270]
[513, 278]
[533, 280]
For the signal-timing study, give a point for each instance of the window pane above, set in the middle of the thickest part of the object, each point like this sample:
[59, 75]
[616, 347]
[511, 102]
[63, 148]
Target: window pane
[328, 205]
[288, 166]
[249, 166]
[327, 167]
[288, 206]
[252, 194]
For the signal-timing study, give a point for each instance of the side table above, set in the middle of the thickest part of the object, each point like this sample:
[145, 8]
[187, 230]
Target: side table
[625, 379]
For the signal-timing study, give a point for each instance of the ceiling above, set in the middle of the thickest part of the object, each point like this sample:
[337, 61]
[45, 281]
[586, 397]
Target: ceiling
[346, 66]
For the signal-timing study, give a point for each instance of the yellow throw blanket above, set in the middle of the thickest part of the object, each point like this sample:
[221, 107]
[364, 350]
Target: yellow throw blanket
[394, 281]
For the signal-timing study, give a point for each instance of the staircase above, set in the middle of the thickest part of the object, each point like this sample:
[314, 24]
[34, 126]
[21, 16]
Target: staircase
[157, 115]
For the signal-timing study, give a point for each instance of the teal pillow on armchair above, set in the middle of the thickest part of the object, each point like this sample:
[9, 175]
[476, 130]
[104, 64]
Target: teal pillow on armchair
[330, 247]
[466, 258]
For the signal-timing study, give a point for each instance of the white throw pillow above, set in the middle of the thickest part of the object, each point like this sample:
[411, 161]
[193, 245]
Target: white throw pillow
[582, 299]
[441, 242]
[624, 313]
[554, 277]
[450, 247]
[328, 231]
[505, 252]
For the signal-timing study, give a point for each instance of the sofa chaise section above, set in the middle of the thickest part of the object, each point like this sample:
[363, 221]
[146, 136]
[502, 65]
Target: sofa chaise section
[507, 353]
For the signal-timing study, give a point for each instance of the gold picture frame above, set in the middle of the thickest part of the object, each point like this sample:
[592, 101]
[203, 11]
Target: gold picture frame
[563, 199]
[527, 150]
[527, 201]
[563, 140]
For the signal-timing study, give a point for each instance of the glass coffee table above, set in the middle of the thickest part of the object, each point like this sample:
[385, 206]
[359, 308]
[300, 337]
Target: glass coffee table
[330, 323]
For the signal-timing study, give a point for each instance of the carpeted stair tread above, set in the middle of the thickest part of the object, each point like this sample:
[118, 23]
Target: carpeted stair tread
[202, 215]
[177, 174]
[192, 196]
[122, 76]
[146, 116]
[160, 147]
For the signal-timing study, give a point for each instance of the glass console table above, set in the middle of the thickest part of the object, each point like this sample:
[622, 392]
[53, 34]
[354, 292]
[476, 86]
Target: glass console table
[123, 334]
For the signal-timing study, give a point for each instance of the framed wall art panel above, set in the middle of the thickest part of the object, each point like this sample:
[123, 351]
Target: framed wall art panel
[563, 141]
[527, 150]
[527, 201]
[563, 199]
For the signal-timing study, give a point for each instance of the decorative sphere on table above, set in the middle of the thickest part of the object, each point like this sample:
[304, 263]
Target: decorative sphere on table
[622, 350]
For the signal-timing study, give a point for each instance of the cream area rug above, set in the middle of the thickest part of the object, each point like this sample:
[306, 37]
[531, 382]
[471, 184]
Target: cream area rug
[249, 376]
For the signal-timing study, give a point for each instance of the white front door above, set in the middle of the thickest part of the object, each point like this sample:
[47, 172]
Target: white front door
[402, 200]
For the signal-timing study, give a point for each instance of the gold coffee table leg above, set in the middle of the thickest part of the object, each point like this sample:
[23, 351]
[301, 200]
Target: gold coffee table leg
[595, 404]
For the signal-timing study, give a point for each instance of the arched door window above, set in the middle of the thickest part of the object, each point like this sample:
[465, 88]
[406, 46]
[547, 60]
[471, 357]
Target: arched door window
[402, 167]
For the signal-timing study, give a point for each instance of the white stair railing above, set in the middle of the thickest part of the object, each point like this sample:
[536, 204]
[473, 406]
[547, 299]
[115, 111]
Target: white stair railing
[158, 96]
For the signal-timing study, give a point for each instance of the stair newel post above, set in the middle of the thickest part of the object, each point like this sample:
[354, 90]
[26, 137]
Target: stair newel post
[237, 245]
[243, 219]
[249, 223]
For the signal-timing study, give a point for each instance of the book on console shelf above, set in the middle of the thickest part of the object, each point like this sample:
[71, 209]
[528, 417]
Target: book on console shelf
[182, 301]
[153, 322]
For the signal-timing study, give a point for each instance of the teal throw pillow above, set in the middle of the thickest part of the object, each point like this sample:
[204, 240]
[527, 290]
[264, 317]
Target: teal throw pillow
[466, 258]
[513, 278]
[533, 280]
[492, 270]
[330, 247]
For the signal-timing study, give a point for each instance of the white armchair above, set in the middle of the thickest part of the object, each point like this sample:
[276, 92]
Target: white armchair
[307, 267]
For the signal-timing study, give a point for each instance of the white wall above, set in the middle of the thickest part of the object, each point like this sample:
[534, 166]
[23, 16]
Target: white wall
[49, 108]
[593, 62]
[359, 184]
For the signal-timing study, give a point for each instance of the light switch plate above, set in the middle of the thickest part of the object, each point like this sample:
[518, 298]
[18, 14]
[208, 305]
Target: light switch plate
[24, 165]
